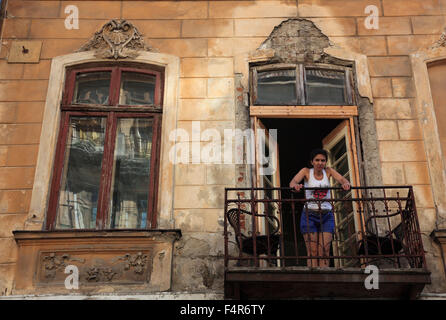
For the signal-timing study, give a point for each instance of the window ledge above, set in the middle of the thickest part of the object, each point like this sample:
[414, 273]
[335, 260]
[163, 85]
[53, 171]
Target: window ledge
[117, 261]
[23, 235]
[304, 111]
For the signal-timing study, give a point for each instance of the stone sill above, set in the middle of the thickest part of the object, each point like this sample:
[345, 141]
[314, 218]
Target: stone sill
[23, 235]
[108, 261]
[154, 296]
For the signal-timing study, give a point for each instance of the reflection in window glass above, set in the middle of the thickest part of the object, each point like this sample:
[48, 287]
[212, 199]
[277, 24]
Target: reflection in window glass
[276, 87]
[81, 176]
[342, 167]
[137, 89]
[92, 88]
[325, 87]
[131, 173]
[338, 150]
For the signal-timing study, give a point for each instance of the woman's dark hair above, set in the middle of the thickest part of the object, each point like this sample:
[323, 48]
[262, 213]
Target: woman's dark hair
[315, 152]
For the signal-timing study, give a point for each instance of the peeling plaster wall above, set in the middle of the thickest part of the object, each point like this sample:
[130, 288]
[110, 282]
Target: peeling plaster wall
[198, 263]
[212, 40]
[371, 171]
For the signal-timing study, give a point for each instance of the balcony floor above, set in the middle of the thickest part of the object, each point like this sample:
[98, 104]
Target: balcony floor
[321, 283]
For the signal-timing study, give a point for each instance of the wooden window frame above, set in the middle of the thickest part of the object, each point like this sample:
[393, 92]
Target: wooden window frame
[347, 112]
[301, 81]
[112, 112]
[115, 81]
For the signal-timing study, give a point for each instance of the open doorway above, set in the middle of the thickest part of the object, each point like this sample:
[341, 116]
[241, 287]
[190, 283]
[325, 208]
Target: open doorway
[295, 139]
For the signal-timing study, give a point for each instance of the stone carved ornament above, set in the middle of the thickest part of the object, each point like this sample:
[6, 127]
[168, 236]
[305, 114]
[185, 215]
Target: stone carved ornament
[440, 42]
[55, 263]
[136, 262]
[118, 39]
[103, 274]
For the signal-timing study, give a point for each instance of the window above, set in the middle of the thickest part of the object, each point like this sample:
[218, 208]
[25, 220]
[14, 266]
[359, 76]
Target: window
[276, 87]
[301, 85]
[105, 173]
[339, 143]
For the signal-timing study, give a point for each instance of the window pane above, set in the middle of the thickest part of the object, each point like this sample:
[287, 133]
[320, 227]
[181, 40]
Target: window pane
[276, 88]
[131, 173]
[137, 89]
[81, 176]
[338, 150]
[92, 88]
[325, 87]
[342, 167]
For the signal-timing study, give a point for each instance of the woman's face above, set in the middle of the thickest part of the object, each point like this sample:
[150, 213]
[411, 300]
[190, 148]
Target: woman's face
[319, 162]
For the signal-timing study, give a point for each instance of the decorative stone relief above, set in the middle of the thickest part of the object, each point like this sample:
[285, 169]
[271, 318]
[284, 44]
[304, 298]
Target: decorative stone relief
[441, 42]
[118, 261]
[117, 39]
[103, 274]
[97, 267]
[54, 263]
[136, 262]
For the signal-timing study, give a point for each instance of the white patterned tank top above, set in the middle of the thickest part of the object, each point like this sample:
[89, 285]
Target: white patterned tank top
[318, 194]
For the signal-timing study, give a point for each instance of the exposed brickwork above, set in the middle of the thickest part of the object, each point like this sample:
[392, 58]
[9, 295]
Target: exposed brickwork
[297, 41]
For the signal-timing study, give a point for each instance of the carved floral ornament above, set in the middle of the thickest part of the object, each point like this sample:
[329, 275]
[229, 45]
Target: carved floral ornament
[117, 39]
[440, 42]
[53, 266]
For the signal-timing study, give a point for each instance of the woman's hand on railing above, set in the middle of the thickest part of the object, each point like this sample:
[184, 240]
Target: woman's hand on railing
[346, 186]
[297, 187]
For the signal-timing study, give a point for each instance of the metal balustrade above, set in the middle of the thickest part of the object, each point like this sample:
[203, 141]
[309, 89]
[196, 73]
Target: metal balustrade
[373, 225]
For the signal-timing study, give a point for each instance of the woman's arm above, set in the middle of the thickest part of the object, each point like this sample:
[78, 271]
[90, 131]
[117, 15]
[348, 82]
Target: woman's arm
[295, 182]
[339, 178]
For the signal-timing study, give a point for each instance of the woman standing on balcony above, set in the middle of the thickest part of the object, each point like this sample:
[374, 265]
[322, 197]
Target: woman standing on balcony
[317, 219]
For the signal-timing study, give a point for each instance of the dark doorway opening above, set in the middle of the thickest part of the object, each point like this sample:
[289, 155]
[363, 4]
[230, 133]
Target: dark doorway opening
[296, 138]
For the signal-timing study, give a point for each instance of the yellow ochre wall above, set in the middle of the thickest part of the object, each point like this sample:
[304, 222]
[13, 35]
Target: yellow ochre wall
[208, 36]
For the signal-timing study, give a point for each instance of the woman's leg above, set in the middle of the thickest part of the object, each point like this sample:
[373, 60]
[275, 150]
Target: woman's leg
[324, 247]
[311, 245]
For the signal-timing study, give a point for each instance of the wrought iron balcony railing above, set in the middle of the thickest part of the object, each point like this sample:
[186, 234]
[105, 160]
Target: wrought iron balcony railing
[373, 225]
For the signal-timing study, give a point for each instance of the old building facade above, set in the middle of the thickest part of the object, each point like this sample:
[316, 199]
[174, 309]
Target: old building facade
[119, 134]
